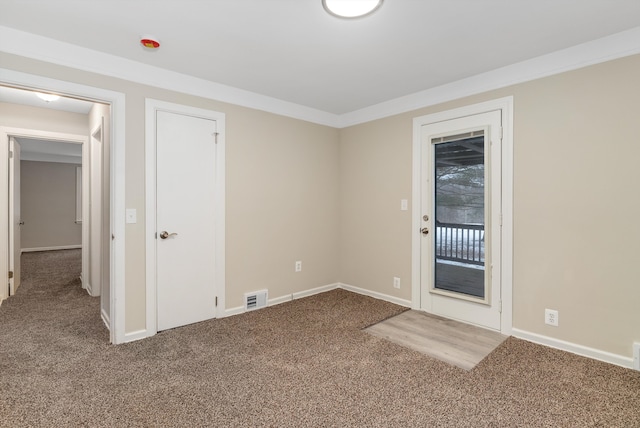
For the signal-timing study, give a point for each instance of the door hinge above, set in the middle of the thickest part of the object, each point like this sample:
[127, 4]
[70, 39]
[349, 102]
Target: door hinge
[215, 135]
[10, 274]
[216, 301]
[500, 306]
[501, 132]
[10, 154]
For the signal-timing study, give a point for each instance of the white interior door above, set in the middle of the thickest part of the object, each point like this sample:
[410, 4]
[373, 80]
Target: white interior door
[95, 214]
[15, 221]
[105, 252]
[185, 219]
[461, 231]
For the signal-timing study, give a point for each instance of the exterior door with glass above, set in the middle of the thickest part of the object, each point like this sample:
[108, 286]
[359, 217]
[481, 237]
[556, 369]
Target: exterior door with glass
[460, 228]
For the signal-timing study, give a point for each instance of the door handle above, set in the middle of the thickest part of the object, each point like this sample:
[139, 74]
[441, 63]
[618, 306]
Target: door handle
[21, 223]
[165, 234]
[425, 230]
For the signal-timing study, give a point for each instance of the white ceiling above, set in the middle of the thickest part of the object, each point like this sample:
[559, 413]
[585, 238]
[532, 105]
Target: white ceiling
[46, 150]
[50, 151]
[292, 50]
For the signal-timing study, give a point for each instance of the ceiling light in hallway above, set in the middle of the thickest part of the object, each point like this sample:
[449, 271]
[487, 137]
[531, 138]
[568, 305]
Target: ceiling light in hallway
[351, 8]
[47, 97]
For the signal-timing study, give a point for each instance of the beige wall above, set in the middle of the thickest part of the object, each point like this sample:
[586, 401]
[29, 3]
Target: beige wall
[375, 235]
[282, 204]
[299, 191]
[281, 186]
[42, 119]
[48, 205]
[576, 204]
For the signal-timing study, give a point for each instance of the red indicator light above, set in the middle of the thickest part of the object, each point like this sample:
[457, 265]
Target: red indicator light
[150, 43]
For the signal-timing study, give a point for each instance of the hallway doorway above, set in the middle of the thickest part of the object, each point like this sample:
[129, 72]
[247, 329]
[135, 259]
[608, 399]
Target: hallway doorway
[87, 195]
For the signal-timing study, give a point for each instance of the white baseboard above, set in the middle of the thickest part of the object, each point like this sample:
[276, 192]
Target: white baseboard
[60, 247]
[279, 300]
[135, 335]
[300, 294]
[313, 291]
[232, 311]
[574, 348]
[89, 291]
[105, 319]
[376, 295]
[283, 299]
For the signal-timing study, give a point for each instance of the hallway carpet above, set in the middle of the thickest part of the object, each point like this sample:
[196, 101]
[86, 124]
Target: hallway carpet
[305, 363]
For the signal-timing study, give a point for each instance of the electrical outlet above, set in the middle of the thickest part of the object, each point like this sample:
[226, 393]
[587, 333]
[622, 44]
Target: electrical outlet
[299, 266]
[636, 356]
[396, 282]
[551, 317]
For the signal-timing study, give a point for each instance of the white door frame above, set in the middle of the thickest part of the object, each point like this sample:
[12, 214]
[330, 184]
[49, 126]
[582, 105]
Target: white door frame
[72, 139]
[117, 178]
[14, 265]
[152, 106]
[94, 289]
[506, 107]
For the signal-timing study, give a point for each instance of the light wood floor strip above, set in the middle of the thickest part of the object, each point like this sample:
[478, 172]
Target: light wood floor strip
[460, 344]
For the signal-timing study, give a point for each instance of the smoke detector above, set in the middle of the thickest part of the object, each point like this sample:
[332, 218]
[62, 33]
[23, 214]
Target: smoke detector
[149, 42]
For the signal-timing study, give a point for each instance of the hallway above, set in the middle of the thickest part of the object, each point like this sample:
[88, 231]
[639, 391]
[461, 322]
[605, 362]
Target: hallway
[51, 286]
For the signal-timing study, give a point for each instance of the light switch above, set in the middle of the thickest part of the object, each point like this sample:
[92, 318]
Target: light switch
[131, 215]
[404, 204]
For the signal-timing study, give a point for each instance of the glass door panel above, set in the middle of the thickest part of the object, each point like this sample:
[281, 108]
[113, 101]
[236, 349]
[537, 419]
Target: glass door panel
[459, 208]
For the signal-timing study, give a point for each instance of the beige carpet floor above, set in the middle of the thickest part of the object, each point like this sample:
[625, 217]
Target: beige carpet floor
[305, 363]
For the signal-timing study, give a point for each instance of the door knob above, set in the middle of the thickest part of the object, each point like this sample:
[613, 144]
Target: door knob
[165, 234]
[425, 230]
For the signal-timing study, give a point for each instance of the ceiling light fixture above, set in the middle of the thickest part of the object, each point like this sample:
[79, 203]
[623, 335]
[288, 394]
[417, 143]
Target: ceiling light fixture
[351, 8]
[47, 97]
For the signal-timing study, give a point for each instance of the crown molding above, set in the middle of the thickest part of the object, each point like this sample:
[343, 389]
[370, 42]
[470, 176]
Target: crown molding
[53, 51]
[608, 48]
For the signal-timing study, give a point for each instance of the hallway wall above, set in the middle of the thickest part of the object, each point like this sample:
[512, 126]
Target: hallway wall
[48, 205]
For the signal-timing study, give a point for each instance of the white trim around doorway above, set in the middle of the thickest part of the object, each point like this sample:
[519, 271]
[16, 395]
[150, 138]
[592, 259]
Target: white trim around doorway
[505, 105]
[117, 178]
[83, 140]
